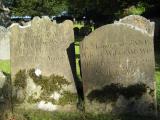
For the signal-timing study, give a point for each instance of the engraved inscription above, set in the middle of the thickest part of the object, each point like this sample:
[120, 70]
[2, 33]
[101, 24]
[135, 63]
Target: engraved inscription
[117, 55]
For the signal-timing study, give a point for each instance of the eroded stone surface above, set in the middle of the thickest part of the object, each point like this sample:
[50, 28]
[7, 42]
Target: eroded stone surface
[2, 79]
[45, 48]
[138, 23]
[4, 44]
[117, 63]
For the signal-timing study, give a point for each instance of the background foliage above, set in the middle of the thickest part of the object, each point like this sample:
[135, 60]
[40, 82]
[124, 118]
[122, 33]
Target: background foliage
[90, 8]
[36, 7]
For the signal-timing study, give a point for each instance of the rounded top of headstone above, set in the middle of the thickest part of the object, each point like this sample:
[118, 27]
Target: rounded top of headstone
[139, 23]
[106, 31]
[46, 17]
[67, 24]
[37, 21]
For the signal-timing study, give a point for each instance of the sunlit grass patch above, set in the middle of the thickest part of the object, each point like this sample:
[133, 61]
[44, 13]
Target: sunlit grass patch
[78, 25]
[77, 48]
[77, 53]
[5, 66]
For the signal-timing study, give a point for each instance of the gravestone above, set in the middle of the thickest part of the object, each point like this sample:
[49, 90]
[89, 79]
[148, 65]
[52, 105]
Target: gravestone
[42, 64]
[4, 44]
[117, 63]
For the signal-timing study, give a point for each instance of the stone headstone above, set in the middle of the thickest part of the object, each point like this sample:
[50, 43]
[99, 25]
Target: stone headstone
[117, 63]
[139, 22]
[41, 62]
[4, 44]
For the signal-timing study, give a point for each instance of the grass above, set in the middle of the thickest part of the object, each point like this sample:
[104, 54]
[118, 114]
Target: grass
[5, 66]
[77, 59]
[157, 76]
[79, 25]
[158, 86]
[42, 115]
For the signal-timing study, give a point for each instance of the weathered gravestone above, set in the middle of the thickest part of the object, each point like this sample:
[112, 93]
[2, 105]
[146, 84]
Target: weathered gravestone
[4, 44]
[41, 64]
[117, 63]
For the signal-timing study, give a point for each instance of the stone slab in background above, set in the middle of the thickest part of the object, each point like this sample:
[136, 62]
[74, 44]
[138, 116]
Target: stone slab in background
[4, 44]
[118, 65]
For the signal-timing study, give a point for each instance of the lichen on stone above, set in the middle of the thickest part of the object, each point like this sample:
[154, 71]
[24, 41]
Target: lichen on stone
[49, 85]
[68, 98]
[20, 79]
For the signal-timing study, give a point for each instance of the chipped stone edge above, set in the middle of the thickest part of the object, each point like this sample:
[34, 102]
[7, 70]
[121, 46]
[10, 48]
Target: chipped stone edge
[29, 24]
[143, 18]
[135, 27]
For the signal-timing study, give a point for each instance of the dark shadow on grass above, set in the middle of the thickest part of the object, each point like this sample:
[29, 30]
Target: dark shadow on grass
[78, 83]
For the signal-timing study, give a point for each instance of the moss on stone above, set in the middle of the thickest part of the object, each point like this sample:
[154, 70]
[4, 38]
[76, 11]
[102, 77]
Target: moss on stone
[20, 80]
[68, 98]
[32, 100]
[49, 85]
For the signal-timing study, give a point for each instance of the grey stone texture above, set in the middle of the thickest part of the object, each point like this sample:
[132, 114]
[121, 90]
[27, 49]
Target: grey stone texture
[2, 80]
[4, 44]
[139, 22]
[117, 63]
[44, 45]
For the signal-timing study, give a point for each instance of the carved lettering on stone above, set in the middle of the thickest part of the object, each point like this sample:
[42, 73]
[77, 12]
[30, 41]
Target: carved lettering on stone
[117, 63]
